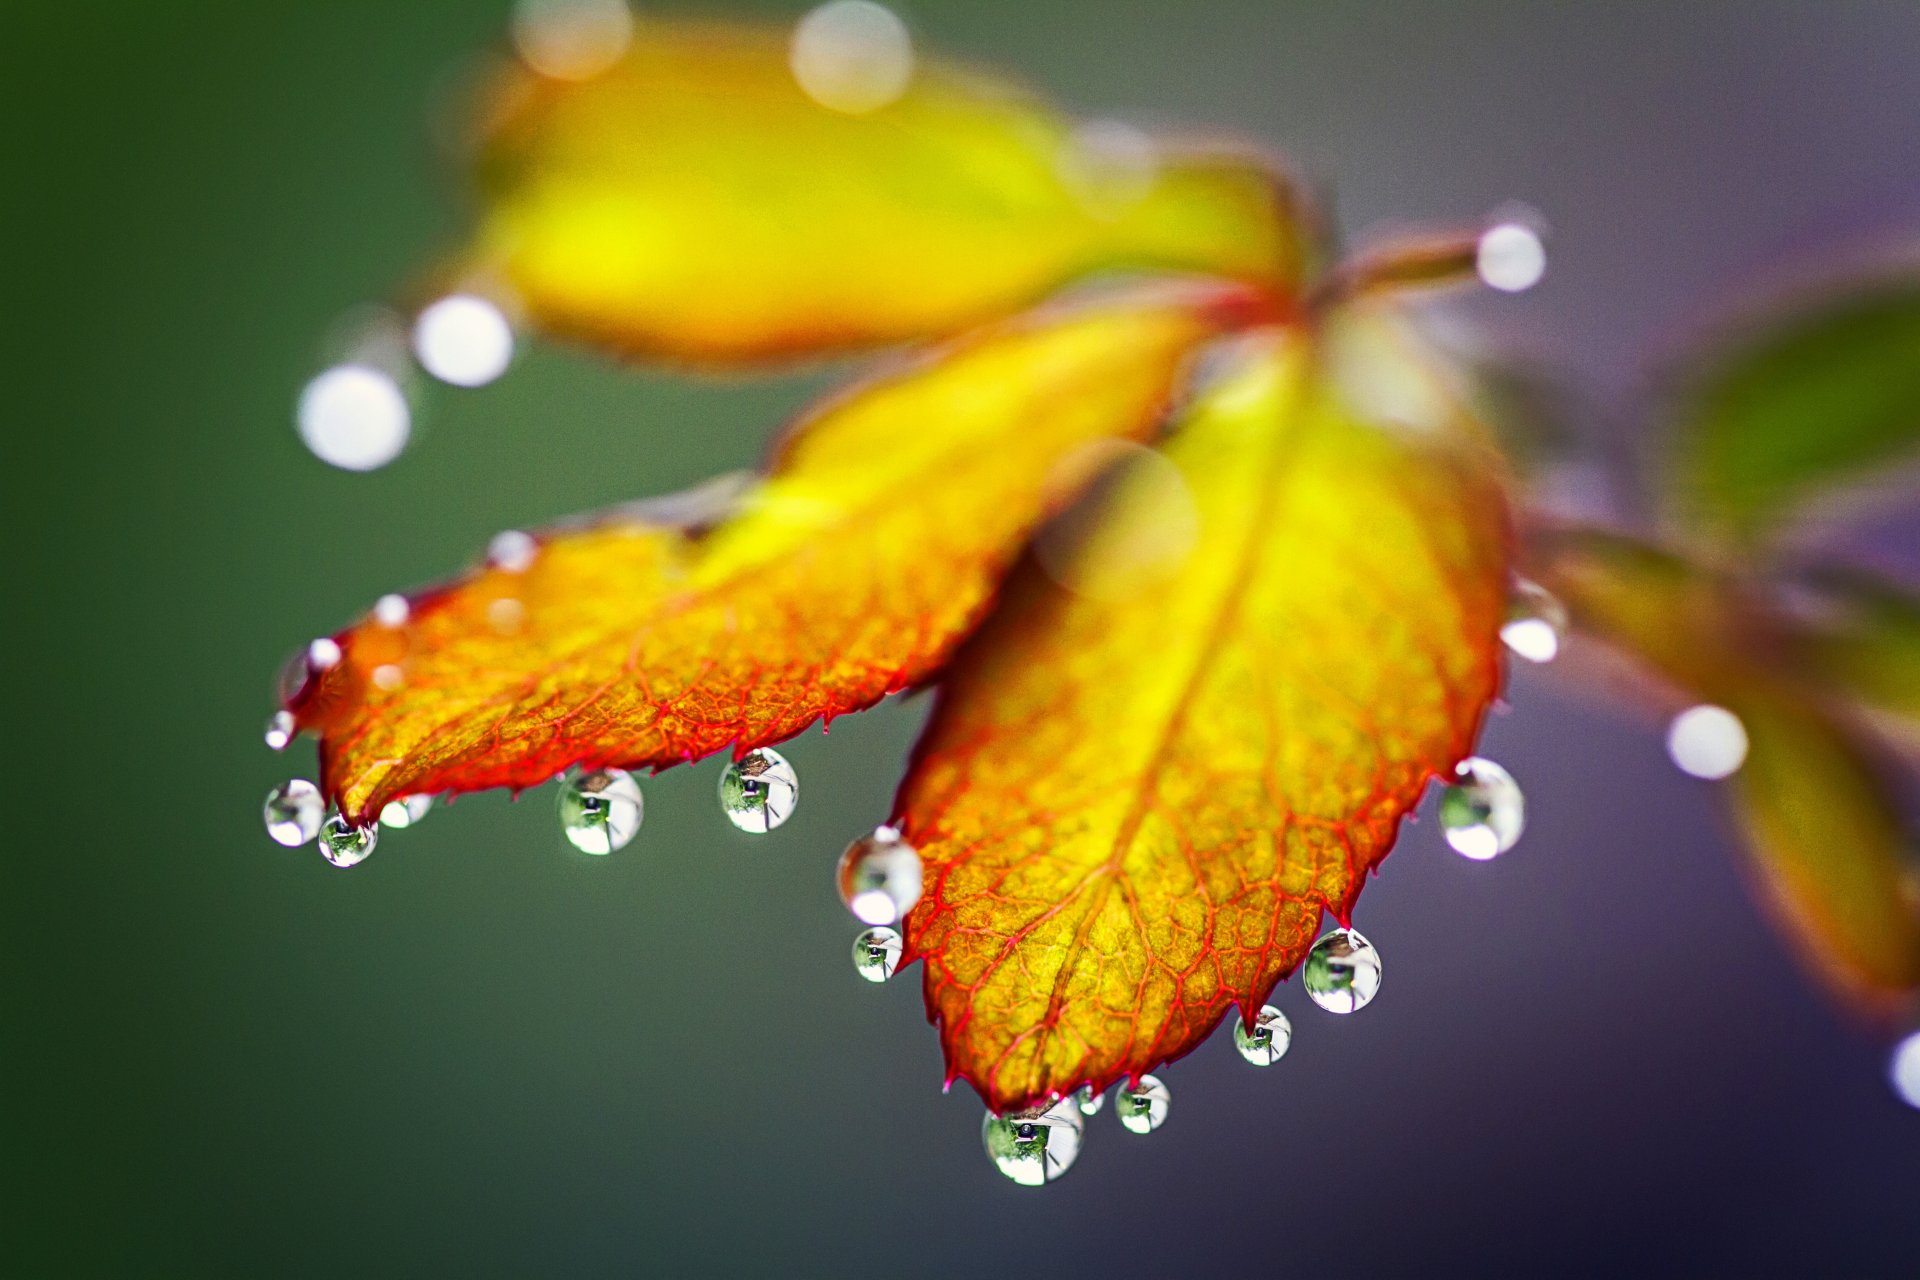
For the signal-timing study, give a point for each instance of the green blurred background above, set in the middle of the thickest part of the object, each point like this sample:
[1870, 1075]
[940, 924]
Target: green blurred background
[483, 1054]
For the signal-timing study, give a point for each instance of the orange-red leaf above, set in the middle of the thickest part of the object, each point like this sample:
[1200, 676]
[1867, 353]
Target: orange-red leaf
[1132, 811]
[849, 572]
[694, 202]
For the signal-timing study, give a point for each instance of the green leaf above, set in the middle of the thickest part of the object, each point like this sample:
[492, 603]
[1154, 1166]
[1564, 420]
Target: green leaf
[1866, 642]
[1802, 404]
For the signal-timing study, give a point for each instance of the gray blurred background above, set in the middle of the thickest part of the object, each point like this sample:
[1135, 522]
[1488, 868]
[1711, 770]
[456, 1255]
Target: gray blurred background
[481, 1054]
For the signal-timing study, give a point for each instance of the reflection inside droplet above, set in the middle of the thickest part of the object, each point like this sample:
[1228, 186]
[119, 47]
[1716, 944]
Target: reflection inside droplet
[851, 55]
[354, 417]
[1143, 1107]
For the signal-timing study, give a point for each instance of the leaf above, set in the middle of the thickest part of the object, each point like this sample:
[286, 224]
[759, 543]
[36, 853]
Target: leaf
[850, 572]
[694, 203]
[1816, 399]
[1811, 801]
[1868, 643]
[1132, 812]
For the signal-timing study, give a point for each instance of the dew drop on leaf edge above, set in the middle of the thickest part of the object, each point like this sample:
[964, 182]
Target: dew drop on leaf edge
[345, 845]
[758, 791]
[880, 877]
[406, 812]
[1267, 1043]
[600, 809]
[1037, 1146]
[1536, 625]
[293, 812]
[1143, 1107]
[876, 953]
[1088, 1101]
[1482, 811]
[279, 730]
[1342, 972]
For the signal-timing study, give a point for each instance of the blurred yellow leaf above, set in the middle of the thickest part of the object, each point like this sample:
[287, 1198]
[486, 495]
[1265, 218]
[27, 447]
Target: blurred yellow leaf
[694, 202]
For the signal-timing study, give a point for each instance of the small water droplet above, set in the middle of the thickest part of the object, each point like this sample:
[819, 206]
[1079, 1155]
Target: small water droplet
[464, 340]
[280, 730]
[1342, 972]
[1511, 257]
[1034, 1147]
[759, 790]
[1143, 1107]
[571, 39]
[1088, 1101]
[852, 56]
[1903, 1070]
[876, 953]
[1707, 742]
[1482, 812]
[401, 814]
[1267, 1043]
[354, 417]
[880, 877]
[1536, 624]
[512, 551]
[601, 809]
[293, 812]
[323, 655]
[391, 610]
[345, 845]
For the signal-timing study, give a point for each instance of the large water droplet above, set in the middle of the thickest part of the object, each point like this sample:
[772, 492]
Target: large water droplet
[1267, 1043]
[880, 877]
[876, 954]
[1034, 1147]
[1482, 812]
[345, 845]
[759, 790]
[1143, 1107]
[1903, 1070]
[1088, 1100]
[293, 812]
[280, 730]
[600, 809]
[1536, 624]
[401, 814]
[1342, 972]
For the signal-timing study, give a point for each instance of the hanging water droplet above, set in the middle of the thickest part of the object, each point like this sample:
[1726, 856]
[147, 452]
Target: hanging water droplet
[1903, 1070]
[293, 812]
[1707, 742]
[280, 730]
[1342, 972]
[401, 814]
[880, 877]
[601, 809]
[1034, 1147]
[323, 654]
[464, 340]
[1088, 1101]
[876, 954]
[1482, 812]
[512, 551]
[345, 845]
[1267, 1043]
[1143, 1107]
[1536, 624]
[759, 790]
[391, 610]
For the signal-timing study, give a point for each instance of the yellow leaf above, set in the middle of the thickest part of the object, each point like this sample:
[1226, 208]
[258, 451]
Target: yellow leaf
[693, 202]
[1132, 812]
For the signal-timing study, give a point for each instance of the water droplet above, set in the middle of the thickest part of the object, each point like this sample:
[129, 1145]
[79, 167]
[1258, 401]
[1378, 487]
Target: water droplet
[759, 790]
[506, 615]
[464, 340]
[600, 810]
[512, 551]
[391, 610]
[1143, 1107]
[1088, 1101]
[354, 417]
[1342, 972]
[280, 730]
[876, 954]
[1267, 1043]
[1903, 1069]
[323, 655]
[1707, 742]
[345, 845]
[1482, 812]
[880, 877]
[1536, 624]
[1034, 1147]
[571, 39]
[1511, 257]
[852, 56]
[293, 812]
[401, 814]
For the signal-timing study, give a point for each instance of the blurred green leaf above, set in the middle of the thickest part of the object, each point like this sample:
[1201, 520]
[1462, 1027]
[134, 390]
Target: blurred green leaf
[1799, 405]
[1867, 642]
